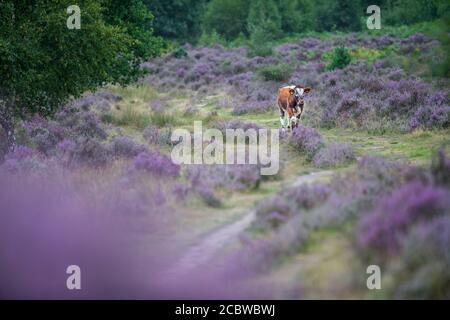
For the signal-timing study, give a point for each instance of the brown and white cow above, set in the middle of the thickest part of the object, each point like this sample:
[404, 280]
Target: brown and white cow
[290, 100]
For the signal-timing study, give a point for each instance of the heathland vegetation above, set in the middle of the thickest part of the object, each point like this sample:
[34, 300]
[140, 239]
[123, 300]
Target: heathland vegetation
[87, 118]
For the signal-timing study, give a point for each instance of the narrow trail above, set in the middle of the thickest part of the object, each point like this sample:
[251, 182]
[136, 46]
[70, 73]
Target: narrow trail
[207, 248]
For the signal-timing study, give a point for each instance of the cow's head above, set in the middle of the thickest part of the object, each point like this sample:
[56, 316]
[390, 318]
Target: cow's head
[299, 92]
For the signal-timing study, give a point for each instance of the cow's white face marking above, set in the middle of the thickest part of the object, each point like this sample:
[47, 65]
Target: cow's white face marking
[299, 92]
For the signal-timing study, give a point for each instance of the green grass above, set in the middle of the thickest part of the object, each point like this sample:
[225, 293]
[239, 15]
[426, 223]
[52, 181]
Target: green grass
[130, 116]
[162, 119]
[417, 147]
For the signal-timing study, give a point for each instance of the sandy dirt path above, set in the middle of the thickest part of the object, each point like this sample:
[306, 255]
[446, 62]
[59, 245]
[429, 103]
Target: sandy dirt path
[203, 252]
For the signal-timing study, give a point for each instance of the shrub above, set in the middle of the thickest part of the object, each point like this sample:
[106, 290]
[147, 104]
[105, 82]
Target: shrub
[333, 155]
[287, 203]
[423, 270]
[156, 163]
[340, 58]
[396, 213]
[123, 146]
[276, 73]
[307, 140]
[90, 152]
[22, 159]
[44, 134]
[208, 196]
[179, 53]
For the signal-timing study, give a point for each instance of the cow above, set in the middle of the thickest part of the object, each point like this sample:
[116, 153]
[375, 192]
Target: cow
[290, 100]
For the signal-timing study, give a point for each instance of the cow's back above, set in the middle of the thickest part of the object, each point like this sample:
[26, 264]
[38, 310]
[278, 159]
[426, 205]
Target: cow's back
[284, 97]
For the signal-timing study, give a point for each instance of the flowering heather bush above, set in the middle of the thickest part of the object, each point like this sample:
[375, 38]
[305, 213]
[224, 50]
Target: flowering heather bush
[89, 152]
[81, 123]
[423, 271]
[22, 159]
[228, 177]
[288, 203]
[102, 99]
[382, 172]
[395, 214]
[90, 126]
[333, 155]
[208, 195]
[307, 140]
[180, 191]
[56, 220]
[65, 151]
[44, 134]
[156, 163]
[123, 146]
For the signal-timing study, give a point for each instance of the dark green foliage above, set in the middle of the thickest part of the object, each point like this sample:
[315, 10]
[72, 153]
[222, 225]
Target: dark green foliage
[179, 53]
[43, 63]
[296, 15]
[177, 19]
[340, 58]
[412, 11]
[264, 14]
[278, 73]
[260, 43]
[342, 15]
[227, 17]
[264, 25]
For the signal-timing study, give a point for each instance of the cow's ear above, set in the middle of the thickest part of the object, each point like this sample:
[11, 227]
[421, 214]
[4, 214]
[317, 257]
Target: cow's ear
[307, 90]
[291, 91]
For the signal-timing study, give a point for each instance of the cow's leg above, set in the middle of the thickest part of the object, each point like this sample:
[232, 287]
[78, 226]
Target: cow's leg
[282, 114]
[300, 113]
[290, 115]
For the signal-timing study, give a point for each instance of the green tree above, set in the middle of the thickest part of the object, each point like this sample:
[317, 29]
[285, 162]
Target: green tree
[413, 11]
[177, 19]
[227, 17]
[264, 14]
[43, 63]
[345, 15]
[296, 15]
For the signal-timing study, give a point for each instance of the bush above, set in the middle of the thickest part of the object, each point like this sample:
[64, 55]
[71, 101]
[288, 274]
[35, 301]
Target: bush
[333, 155]
[279, 73]
[307, 140]
[396, 213]
[156, 163]
[89, 152]
[123, 146]
[179, 53]
[290, 202]
[423, 271]
[340, 58]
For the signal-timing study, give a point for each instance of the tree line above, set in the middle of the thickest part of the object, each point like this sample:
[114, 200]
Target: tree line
[231, 19]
